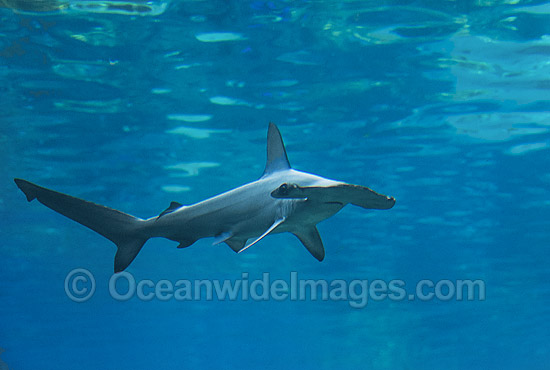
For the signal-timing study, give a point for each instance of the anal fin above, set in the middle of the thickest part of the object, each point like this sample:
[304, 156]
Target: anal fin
[185, 243]
[311, 239]
[236, 244]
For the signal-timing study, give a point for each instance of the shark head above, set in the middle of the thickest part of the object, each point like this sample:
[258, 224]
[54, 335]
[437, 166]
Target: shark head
[302, 185]
[315, 198]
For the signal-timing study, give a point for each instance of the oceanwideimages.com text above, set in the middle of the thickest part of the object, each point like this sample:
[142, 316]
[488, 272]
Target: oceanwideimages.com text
[80, 286]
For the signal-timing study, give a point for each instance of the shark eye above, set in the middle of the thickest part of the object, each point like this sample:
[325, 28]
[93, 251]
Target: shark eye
[283, 189]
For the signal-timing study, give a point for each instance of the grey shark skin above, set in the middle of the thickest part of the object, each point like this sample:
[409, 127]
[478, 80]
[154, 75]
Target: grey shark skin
[281, 200]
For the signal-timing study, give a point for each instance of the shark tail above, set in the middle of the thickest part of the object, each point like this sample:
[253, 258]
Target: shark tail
[129, 233]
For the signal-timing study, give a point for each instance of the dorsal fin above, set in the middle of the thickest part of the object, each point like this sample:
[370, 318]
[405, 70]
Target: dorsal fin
[276, 153]
[171, 208]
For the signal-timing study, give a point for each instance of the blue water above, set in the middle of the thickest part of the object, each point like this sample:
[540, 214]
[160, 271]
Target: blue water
[442, 104]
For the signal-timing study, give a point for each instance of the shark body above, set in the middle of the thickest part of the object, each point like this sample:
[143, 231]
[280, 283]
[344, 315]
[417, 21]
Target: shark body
[281, 200]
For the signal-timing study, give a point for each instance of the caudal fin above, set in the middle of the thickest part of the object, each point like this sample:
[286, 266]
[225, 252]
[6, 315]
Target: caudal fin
[126, 231]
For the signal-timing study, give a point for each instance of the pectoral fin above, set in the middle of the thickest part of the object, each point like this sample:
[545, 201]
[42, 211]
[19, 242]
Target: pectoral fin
[271, 228]
[311, 239]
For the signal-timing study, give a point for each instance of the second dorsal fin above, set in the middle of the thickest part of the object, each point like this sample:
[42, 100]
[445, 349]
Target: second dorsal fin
[171, 208]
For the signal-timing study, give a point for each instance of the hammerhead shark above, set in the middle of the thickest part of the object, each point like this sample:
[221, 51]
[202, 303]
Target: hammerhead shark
[281, 200]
